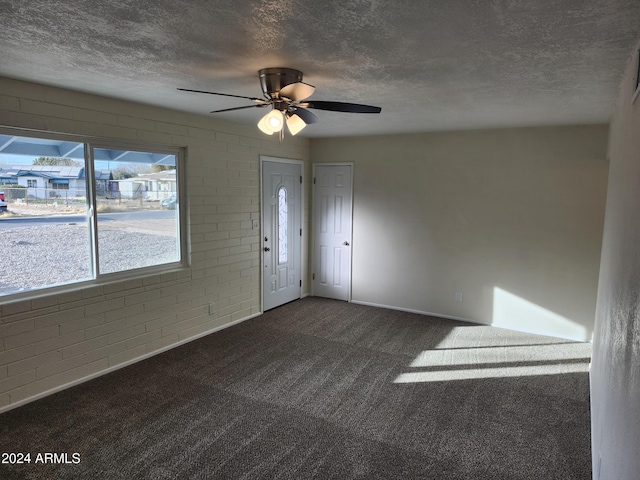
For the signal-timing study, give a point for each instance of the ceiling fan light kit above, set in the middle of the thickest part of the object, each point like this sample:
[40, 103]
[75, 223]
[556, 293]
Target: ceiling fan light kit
[272, 122]
[295, 123]
[284, 92]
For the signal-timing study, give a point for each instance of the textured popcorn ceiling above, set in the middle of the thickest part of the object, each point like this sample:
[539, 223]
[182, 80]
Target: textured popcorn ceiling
[430, 65]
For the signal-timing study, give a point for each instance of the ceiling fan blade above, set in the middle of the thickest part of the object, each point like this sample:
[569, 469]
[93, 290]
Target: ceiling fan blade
[240, 108]
[297, 91]
[222, 94]
[306, 116]
[342, 107]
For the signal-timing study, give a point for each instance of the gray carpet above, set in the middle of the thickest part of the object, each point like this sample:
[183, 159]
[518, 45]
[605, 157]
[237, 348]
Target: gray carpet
[324, 389]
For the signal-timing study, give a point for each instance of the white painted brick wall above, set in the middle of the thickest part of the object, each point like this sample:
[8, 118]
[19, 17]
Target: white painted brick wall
[56, 339]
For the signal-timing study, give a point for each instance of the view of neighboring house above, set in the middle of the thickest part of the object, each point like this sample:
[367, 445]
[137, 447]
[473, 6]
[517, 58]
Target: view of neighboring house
[150, 186]
[51, 181]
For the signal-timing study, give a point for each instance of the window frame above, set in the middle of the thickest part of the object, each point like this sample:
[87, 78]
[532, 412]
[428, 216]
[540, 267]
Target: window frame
[90, 143]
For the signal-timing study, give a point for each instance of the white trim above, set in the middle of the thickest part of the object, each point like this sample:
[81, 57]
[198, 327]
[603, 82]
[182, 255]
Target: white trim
[420, 312]
[38, 396]
[267, 158]
[475, 322]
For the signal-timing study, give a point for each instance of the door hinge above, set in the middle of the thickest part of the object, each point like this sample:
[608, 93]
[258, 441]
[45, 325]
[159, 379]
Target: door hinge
[314, 180]
[313, 276]
[300, 282]
[300, 232]
[300, 178]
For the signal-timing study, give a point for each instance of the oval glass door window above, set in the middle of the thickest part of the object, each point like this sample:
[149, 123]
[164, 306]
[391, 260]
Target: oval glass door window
[282, 225]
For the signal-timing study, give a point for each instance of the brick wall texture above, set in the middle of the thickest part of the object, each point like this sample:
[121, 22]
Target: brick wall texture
[53, 339]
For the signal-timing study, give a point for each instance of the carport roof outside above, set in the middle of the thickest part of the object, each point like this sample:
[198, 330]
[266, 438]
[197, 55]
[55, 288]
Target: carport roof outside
[16, 148]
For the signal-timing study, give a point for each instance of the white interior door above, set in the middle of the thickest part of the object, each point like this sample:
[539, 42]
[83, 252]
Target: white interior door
[332, 220]
[281, 233]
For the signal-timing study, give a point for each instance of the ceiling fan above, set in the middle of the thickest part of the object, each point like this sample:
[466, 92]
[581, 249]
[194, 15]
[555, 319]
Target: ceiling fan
[286, 94]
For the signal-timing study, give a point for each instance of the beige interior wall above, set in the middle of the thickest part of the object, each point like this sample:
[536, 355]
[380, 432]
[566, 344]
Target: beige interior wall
[511, 218]
[615, 369]
[54, 339]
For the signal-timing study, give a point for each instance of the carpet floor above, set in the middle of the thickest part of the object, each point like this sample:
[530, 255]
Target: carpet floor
[323, 389]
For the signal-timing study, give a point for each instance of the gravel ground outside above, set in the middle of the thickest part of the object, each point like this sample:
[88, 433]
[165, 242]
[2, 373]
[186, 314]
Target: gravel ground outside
[39, 256]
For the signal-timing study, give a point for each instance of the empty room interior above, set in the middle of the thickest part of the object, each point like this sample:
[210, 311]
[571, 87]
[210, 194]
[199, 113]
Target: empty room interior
[296, 239]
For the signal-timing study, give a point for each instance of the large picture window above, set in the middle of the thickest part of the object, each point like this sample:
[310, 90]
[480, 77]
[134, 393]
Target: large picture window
[79, 211]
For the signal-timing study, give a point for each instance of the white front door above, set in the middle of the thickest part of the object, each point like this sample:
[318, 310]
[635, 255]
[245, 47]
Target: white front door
[281, 233]
[332, 218]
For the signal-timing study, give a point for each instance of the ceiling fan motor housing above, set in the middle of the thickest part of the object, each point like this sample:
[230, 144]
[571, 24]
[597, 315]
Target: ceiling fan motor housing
[272, 80]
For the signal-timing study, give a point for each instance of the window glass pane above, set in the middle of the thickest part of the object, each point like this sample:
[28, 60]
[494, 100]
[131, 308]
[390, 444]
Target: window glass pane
[282, 225]
[44, 225]
[137, 209]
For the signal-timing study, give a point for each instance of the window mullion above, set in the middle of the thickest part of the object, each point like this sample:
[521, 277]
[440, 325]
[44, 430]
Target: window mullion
[91, 208]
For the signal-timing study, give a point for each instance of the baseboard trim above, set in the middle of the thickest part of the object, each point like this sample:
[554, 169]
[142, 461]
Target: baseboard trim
[475, 322]
[420, 312]
[51, 391]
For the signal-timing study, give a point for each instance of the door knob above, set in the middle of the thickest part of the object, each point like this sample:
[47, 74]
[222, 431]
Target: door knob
[345, 243]
[267, 249]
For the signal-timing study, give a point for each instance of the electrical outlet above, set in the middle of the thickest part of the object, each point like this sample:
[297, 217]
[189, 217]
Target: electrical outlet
[255, 224]
[211, 309]
[458, 296]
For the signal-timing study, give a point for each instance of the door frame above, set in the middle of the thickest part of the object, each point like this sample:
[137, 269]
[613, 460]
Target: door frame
[313, 221]
[267, 158]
